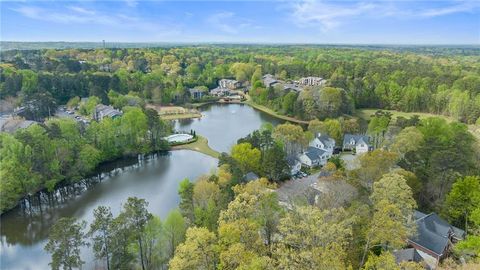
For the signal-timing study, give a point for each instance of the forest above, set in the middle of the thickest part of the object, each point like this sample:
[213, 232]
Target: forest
[224, 222]
[64, 151]
[438, 80]
[429, 164]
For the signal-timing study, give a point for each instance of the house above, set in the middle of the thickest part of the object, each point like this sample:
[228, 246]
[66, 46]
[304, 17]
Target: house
[313, 157]
[324, 142]
[292, 87]
[294, 164]
[251, 176]
[196, 93]
[434, 238]
[230, 84]
[220, 92]
[102, 111]
[359, 143]
[12, 124]
[269, 80]
[312, 81]
[408, 255]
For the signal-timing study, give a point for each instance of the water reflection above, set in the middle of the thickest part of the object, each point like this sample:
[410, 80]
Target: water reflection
[24, 233]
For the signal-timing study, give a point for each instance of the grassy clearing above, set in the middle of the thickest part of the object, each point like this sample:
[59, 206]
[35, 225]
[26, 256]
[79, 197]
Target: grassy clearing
[180, 116]
[175, 112]
[200, 145]
[272, 112]
[367, 113]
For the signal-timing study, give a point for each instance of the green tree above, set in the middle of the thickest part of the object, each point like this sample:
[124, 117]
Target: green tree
[198, 251]
[186, 206]
[373, 166]
[291, 136]
[247, 157]
[385, 261]
[135, 217]
[313, 239]
[101, 233]
[174, 231]
[65, 241]
[463, 199]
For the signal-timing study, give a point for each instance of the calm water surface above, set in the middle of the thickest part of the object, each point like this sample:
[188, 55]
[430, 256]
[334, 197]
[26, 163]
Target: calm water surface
[224, 124]
[23, 236]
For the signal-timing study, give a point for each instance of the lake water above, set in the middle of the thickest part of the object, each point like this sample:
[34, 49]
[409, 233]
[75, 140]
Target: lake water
[23, 236]
[224, 124]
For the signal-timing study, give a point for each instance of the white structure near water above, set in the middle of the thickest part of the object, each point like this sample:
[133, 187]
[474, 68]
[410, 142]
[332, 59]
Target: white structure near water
[179, 138]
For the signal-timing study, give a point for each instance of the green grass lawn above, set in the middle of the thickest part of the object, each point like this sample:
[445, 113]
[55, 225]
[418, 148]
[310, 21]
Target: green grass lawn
[180, 116]
[200, 145]
[367, 113]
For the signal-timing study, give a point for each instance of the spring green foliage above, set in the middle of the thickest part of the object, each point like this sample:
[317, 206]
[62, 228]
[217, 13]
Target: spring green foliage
[41, 156]
[65, 241]
[444, 152]
[463, 200]
[405, 79]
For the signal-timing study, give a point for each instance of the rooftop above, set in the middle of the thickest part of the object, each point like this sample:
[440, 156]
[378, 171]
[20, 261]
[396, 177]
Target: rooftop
[434, 233]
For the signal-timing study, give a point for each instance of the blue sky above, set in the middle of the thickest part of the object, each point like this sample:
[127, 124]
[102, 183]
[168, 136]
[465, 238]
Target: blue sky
[310, 21]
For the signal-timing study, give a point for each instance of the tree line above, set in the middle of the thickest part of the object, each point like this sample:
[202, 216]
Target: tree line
[65, 151]
[405, 80]
[226, 222]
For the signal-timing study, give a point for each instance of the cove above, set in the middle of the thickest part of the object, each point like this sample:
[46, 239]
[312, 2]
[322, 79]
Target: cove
[155, 179]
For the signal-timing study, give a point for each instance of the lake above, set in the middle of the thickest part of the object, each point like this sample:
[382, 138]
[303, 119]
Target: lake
[224, 124]
[155, 179]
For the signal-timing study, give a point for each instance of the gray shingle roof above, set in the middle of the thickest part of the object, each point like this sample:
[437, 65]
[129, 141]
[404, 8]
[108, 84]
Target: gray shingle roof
[347, 138]
[292, 161]
[326, 140]
[314, 153]
[407, 255]
[434, 233]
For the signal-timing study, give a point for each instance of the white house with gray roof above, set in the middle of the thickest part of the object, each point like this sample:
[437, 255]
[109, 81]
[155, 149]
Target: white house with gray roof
[313, 157]
[359, 143]
[102, 111]
[324, 142]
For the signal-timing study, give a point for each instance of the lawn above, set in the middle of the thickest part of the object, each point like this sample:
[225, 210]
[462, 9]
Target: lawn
[367, 113]
[200, 145]
[175, 112]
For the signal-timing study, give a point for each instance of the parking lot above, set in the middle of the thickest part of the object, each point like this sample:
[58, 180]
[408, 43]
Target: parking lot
[63, 112]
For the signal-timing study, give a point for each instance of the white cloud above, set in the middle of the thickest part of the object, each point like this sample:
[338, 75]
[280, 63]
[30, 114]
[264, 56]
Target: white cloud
[331, 14]
[82, 10]
[73, 15]
[327, 15]
[220, 21]
[131, 3]
[229, 23]
[457, 7]
[81, 15]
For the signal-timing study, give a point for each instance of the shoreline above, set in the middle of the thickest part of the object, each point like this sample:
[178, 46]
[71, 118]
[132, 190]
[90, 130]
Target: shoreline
[270, 112]
[199, 145]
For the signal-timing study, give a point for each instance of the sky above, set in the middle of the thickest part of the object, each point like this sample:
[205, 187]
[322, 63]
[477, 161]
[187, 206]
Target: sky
[274, 21]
